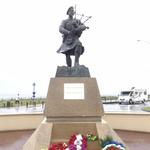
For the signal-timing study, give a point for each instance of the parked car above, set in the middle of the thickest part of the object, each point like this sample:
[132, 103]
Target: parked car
[132, 96]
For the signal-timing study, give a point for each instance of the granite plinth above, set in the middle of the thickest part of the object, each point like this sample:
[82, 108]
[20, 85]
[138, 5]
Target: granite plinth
[88, 109]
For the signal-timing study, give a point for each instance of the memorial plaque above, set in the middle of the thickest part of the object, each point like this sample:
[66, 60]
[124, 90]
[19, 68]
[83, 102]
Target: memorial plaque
[73, 91]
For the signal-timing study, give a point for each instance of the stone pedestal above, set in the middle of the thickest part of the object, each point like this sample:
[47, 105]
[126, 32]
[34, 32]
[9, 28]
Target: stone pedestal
[73, 105]
[89, 108]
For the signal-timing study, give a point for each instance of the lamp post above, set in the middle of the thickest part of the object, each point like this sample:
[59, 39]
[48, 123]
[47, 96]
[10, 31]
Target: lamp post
[33, 93]
[143, 41]
[18, 97]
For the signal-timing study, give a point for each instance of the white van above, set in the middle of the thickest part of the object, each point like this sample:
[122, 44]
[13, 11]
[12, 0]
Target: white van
[132, 96]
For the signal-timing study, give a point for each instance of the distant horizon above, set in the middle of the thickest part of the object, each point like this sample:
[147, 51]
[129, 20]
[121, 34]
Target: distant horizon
[8, 97]
[117, 44]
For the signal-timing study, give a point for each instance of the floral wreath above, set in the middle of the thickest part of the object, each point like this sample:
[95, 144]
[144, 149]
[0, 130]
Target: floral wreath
[79, 142]
[109, 144]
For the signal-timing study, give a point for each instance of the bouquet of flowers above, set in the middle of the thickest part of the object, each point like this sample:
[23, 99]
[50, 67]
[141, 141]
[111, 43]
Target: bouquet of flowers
[109, 144]
[77, 142]
[58, 146]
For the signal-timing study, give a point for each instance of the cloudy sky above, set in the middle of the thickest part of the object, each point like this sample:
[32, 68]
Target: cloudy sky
[29, 39]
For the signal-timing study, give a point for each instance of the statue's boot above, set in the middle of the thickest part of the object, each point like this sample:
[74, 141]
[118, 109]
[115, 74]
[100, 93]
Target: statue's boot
[76, 63]
[77, 55]
[68, 60]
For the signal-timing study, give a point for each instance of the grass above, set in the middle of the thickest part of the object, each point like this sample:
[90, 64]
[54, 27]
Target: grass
[21, 102]
[146, 108]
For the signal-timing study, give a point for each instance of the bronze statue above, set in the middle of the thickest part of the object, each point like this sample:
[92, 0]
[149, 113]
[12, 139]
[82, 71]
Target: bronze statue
[71, 29]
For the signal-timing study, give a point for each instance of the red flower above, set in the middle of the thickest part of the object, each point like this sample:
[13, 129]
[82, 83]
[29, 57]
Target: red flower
[72, 139]
[59, 146]
[112, 148]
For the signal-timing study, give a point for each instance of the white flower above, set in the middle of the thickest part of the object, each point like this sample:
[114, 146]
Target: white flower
[79, 147]
[77, 142]
[79, 137]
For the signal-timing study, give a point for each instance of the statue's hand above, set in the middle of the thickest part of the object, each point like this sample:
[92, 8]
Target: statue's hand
[68, 32]
[82, 28]
[73, 31]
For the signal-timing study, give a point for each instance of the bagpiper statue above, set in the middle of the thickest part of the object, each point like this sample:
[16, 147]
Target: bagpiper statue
[71, 29]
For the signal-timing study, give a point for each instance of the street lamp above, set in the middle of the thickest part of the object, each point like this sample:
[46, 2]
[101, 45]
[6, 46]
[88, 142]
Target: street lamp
[33, 93]
[143, 41]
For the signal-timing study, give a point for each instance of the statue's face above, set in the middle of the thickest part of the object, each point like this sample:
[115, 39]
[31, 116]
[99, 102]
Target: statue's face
[71, 12]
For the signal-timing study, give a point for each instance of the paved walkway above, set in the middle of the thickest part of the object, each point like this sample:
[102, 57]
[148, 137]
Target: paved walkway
[40, 108]
[22, 109]
[15, 139]
[135, 140]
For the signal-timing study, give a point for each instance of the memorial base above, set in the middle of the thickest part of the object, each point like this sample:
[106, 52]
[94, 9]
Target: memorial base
[48, 133]
[74, 110]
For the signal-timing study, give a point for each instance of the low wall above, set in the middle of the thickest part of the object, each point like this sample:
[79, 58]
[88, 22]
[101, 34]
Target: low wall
[20, 121]
[139, 121]
[122, 121]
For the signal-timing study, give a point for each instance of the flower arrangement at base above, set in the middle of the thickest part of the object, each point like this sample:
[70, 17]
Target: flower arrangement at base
[58, 146]
[76, 142]
[91, 137]
[79, 142]
[109, 144]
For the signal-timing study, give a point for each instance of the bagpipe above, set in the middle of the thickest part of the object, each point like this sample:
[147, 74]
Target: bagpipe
[83, 18]
[78, 24]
